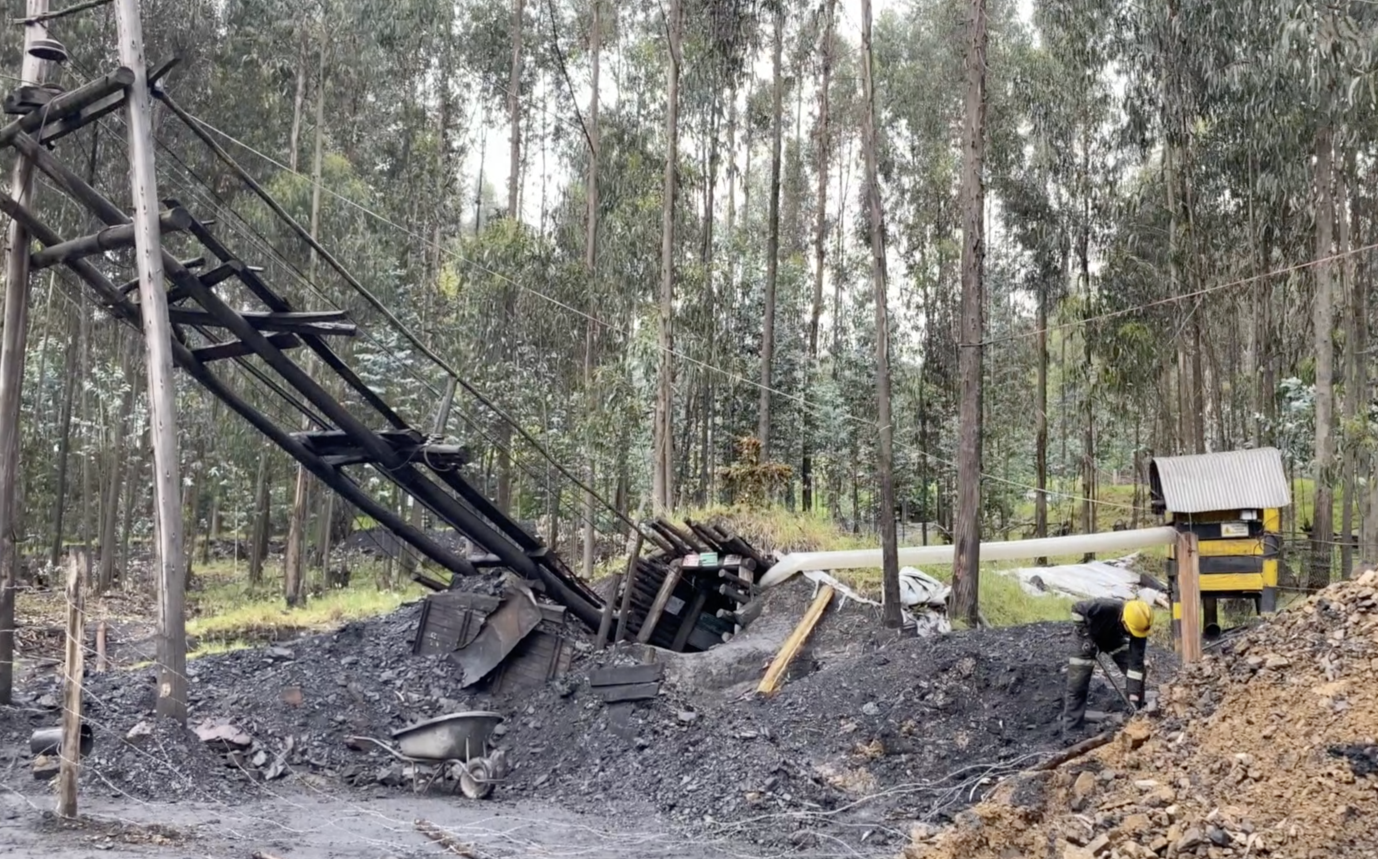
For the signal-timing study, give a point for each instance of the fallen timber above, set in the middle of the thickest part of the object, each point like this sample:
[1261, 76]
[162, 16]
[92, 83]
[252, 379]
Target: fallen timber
[675, 597]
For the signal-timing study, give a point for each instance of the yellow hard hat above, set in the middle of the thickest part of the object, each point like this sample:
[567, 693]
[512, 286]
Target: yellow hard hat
[1138, 618]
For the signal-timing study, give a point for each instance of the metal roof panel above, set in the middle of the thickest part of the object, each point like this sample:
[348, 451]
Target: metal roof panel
[1229, 480]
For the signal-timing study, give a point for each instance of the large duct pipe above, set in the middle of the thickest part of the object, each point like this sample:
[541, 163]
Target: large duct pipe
[1004, 550]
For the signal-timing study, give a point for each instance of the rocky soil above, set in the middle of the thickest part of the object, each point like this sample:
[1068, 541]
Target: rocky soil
[871, 733]
[1264, 749]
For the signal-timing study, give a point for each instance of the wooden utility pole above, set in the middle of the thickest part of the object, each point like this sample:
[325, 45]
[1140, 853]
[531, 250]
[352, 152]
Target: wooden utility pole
[889, 547]
[169, 562]
[13, 342]
[966, 535]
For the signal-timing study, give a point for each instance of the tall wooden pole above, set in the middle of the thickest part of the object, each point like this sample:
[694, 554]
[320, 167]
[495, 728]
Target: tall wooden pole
[966, 537]
[171, 632]
[890, 565]
[13, 341]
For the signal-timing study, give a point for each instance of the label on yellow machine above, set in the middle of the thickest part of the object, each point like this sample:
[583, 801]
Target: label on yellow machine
[1234, 529]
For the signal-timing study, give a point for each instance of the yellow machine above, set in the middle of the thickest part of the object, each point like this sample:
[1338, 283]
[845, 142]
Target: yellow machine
[1232, 502]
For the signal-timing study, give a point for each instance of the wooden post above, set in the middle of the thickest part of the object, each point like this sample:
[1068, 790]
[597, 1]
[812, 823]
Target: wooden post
[605, 623]
[1189, 590]
[101, 664]
[170, 576]
[13, 341]
[667, 588]
[70, 752]
[628, 583]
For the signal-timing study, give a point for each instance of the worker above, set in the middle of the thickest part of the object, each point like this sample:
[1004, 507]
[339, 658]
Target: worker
[1106, 626]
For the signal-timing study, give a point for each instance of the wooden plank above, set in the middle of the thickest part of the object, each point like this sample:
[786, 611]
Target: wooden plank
[101, 663]
[667, 588]
[691, 619]
[1189, 588]
[790, 649]
[627, 675]
[634, 692]
[238, 348]
[316, 324]
[70, 751]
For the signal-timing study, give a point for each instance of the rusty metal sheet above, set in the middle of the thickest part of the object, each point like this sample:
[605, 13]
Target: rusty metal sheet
[502, 631]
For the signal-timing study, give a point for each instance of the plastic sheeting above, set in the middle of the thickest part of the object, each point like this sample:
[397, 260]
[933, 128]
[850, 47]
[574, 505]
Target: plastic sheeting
[1094, 580]
[1008, 550]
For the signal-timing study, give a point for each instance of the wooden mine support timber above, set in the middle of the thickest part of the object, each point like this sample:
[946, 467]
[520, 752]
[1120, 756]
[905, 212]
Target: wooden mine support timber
[69, 103]
[690, 620]
[276, 303]
[73, 664]
[337, 481]
[109, 239]
[628, 584]
[605, 623]
[1189, 588]
[667, 588]
[796, 640]
[101, 664]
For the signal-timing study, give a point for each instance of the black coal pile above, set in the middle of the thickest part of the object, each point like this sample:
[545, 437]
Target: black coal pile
[906, 731]
[293, 706]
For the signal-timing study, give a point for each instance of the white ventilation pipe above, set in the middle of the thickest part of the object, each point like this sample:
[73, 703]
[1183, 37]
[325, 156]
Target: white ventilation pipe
[1002, 550]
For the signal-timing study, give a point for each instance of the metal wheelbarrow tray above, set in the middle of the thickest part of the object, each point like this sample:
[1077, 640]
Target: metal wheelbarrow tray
[455, 740]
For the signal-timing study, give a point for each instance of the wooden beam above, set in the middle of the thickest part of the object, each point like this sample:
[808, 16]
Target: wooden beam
[52, 132]
[60, 13]
[68, 103]
[108, 239]
[238, 348]
[605, 622]
[667, 589]
[212, 278]
[132, 286]
[792, 645]
[73, 672]
[317, 324]
[690, 620]
[1189, 595]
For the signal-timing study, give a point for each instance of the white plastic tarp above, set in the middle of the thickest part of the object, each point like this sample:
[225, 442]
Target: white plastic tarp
[919, 588]
[1094, 580]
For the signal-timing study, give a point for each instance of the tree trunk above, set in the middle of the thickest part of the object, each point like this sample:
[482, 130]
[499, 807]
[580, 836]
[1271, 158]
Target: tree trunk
[1041, 418]
[299, 97]
[294, 567]
[1355, 382]
[820, 229]
[1088, 445]
[663, 470]
[591, 270]
[258, 540]
[108, 534]
[890, 567]
[1323, 322]
[772, 234]
[967, 525]
[64, 441]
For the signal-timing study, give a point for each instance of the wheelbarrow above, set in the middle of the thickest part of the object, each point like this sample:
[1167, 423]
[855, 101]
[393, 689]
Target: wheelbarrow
[454, 743]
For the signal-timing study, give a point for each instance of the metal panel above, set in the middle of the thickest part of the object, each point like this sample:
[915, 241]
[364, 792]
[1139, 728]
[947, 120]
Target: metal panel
[1231, 480]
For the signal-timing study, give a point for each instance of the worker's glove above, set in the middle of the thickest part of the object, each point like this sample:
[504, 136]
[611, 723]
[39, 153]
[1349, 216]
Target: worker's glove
[1134, 703]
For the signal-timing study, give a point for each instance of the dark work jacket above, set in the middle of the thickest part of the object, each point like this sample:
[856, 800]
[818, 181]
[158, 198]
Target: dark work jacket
[1105, 628]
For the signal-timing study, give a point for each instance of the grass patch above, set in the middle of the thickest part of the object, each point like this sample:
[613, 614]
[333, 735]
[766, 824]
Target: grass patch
[231, 613]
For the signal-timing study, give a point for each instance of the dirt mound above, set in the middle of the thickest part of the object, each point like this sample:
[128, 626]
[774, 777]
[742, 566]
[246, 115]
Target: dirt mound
[1265, 748]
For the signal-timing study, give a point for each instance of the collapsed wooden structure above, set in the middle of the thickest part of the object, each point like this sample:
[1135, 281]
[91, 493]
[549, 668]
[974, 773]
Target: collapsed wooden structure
[688, 594]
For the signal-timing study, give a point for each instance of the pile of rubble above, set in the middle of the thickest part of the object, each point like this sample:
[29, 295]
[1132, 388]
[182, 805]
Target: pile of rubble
[1265, 748]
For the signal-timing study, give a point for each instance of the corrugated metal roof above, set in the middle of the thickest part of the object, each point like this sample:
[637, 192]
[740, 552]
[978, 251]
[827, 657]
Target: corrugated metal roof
[1231, 480]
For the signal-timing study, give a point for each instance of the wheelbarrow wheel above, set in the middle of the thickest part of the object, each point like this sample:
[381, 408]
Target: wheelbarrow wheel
[476, 779]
